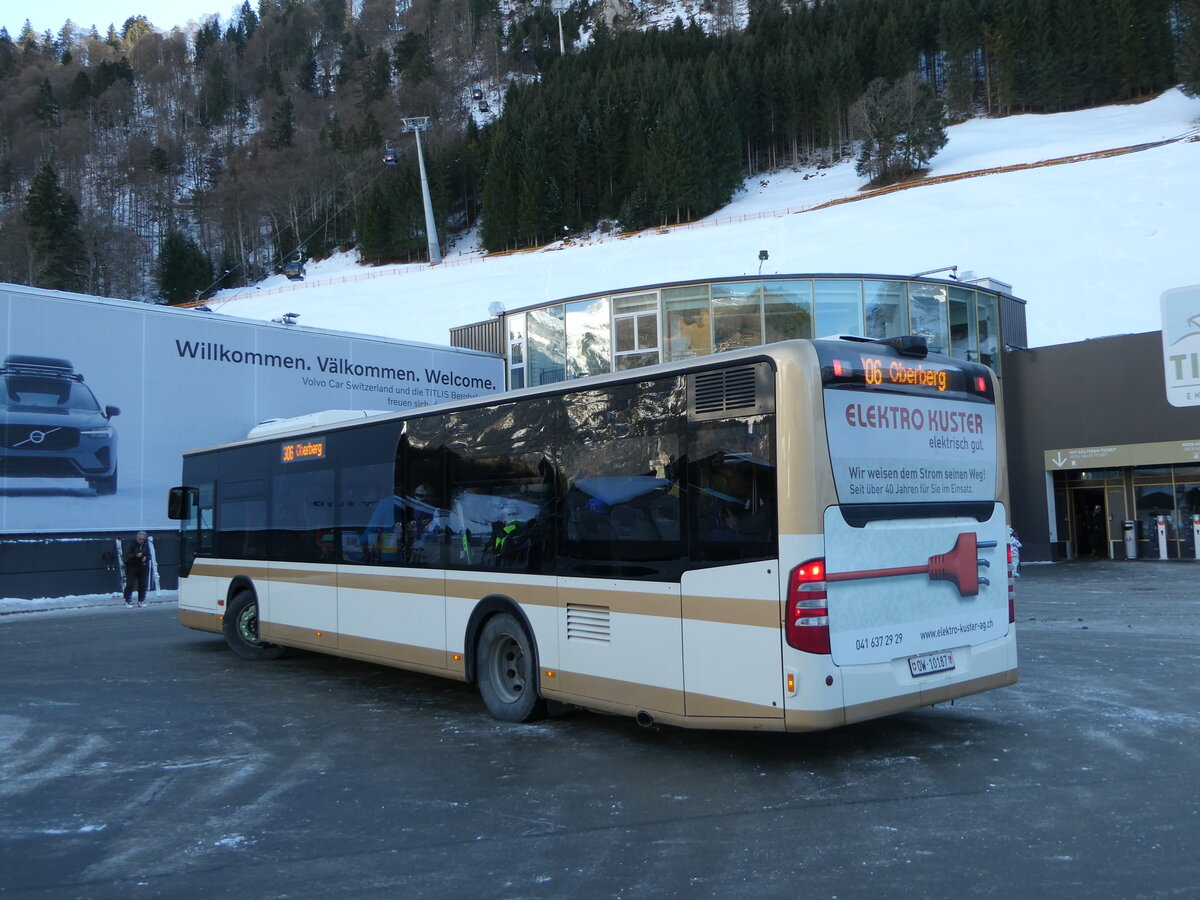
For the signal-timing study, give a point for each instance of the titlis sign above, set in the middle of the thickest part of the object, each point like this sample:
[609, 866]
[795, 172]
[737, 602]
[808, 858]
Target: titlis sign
[1181, 345]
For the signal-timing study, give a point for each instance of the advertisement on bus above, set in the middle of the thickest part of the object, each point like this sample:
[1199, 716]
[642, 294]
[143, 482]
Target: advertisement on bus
[101, 397]
[914, 587]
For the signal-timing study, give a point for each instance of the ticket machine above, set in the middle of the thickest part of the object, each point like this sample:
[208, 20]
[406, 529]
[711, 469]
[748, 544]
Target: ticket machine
[1160, 528]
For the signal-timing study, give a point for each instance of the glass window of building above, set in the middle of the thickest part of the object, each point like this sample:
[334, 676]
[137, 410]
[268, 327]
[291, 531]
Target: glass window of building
[737, 315]
[635, 330]
[589, 343]
[787, 310]
[516, 350]
[689, 325]
[886, 307]
[546, 345]
[839, 307]
[927, 313]
[962, 324]
[988, 332]
[603, 333]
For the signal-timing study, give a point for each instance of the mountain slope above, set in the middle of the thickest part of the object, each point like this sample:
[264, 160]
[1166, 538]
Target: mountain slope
[1091, 245]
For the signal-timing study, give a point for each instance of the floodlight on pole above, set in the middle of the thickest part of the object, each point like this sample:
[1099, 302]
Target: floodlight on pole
[416, 126]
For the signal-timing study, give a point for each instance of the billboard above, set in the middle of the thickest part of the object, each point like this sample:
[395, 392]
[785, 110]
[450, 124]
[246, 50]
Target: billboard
[100, 398]
[1181, 345]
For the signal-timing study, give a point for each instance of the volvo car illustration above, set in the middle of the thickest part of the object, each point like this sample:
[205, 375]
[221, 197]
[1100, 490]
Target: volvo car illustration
[51, 425]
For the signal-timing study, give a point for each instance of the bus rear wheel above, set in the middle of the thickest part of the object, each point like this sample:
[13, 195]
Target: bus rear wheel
[507, 670]
[240, 626]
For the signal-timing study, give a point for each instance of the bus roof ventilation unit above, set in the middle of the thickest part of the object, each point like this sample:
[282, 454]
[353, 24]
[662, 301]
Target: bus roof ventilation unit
[733, 391]
[913, 345]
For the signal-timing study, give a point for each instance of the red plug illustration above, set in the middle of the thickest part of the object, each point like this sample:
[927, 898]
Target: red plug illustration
[959, 566]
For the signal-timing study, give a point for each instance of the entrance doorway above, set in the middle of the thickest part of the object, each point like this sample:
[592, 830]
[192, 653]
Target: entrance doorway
[1089, 523]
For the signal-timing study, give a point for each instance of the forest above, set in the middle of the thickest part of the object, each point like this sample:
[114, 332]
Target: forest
[165, 165]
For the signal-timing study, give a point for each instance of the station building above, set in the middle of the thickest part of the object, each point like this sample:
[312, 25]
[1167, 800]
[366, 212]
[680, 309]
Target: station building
[1099, 462]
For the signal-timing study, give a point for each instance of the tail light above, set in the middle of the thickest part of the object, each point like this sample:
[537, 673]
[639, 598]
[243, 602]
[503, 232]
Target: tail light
[1012, 605]
[807, 624]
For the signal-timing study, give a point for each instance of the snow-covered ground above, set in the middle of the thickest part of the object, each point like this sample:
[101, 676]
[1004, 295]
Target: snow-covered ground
[11, 607]
[1090, 245]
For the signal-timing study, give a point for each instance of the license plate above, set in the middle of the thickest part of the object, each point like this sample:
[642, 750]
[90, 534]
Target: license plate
[929, 663]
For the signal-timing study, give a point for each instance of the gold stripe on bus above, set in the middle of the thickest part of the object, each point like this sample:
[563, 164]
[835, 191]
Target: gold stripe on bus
[733, 611]
[627, 602]
[611, 695]
[201, 621]
[393, 584]
[966, 688]
[425, 658]
[311, 577]
[723, 610]
[222, 570]
[528, 594]
[312, 638]
[628, 697]
[704, 705]
[819, 720]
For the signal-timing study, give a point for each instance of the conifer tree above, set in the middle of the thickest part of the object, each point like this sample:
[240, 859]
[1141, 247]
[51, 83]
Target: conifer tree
[57, 258]
[1189, 46]
[182, 269]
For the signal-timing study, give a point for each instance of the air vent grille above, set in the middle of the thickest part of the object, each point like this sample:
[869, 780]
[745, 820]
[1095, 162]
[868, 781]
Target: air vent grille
[589, 623]
[726, 391]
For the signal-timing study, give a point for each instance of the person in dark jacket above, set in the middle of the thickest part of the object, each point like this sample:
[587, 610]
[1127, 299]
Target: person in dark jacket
[137, 569]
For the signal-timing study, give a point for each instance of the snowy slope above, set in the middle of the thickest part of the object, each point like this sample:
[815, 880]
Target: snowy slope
[1091, 245]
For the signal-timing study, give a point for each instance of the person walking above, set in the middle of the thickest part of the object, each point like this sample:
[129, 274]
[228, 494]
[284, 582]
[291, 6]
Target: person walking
[137, 569]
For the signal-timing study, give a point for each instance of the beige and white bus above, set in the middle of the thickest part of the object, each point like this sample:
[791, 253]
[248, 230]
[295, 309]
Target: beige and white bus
[787, 538]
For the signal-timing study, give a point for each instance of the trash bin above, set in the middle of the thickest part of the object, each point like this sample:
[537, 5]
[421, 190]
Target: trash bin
[1130, 532]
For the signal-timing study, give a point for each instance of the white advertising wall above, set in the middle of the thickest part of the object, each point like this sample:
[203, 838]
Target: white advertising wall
[181, 379]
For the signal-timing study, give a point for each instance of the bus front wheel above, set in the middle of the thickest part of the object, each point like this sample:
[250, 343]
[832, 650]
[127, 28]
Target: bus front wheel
[240, 626]
[507, 673]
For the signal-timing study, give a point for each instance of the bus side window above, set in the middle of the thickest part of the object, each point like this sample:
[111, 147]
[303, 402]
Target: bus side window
[302, 504]
[501, 486]
[621, 457]
[732, 488]
[242, 519]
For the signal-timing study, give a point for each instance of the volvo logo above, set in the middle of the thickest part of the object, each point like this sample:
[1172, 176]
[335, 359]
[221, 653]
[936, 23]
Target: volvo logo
[36, 437]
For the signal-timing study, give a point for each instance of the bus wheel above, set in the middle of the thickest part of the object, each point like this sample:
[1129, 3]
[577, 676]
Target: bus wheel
[507, 677]
[240, 626]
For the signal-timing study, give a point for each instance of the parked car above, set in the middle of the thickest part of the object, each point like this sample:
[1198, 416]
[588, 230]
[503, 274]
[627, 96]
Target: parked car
[51, 425]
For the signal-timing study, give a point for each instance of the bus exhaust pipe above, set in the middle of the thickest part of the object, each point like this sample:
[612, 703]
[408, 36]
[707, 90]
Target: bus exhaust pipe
[644, 719]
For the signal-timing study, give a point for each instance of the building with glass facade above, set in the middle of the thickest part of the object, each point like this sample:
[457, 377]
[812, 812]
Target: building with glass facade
[609, 331]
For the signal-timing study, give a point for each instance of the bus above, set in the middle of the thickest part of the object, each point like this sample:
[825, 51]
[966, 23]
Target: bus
[791, 537]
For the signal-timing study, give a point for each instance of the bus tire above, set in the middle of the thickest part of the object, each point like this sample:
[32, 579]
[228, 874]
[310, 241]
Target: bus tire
[240, 626]
[507, 670]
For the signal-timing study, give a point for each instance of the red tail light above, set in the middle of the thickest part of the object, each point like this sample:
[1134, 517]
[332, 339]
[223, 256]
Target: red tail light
[807, 624]
[1012, 605]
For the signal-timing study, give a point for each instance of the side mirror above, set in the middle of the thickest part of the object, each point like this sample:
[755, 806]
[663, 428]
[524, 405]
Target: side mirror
[110, 411]
[180, 503]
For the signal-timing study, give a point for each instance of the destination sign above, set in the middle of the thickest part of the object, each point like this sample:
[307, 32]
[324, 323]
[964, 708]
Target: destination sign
[903, 374]
[314, 448]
